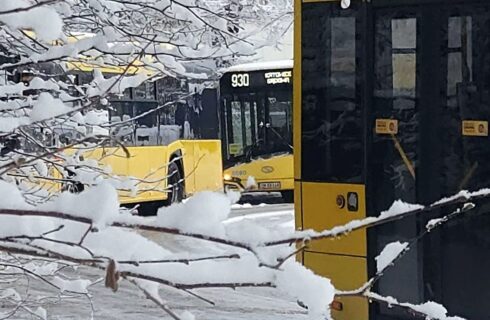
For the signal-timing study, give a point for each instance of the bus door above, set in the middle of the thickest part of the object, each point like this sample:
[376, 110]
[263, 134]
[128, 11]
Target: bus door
[242, 125]
[393, 165]
[465, 81]
[429, 126]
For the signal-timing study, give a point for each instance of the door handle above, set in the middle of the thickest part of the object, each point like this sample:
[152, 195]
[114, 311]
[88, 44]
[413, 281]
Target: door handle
[352, 201]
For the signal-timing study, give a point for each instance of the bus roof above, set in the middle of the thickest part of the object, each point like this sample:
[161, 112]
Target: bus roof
[258, 66]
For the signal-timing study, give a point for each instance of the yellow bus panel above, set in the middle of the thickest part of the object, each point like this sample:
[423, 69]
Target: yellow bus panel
[346, 273]
[203, 169]
[321, 210]
[201, 164]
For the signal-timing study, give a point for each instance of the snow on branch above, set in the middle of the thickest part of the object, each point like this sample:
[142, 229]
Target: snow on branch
[88, 234]
[398, 211]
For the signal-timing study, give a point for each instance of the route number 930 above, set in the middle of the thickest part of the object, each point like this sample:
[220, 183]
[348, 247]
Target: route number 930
[240, 80]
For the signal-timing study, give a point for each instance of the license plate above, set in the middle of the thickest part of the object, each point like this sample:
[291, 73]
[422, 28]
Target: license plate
[269, 185]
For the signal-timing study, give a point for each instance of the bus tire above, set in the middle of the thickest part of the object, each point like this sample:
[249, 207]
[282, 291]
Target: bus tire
[175, 193]
[288, 196]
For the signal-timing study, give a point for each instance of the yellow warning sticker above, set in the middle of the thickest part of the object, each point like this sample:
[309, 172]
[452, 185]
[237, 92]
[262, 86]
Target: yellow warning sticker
[475, 128]
[386, 126]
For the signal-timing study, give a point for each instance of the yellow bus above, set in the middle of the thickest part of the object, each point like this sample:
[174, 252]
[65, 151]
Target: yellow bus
[165, 155]
[255, 115]
[391, 101]
[163, 160]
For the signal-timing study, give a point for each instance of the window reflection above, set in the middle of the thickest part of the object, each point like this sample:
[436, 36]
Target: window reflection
[331, 112]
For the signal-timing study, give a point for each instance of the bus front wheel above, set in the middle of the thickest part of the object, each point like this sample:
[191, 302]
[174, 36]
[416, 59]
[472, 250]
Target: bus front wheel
[175, 185]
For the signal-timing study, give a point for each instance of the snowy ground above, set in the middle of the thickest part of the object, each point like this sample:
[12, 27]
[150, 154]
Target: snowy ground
[127, 303]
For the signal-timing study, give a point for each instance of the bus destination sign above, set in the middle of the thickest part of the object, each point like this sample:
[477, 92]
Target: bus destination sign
[276, 77]
[255, 79]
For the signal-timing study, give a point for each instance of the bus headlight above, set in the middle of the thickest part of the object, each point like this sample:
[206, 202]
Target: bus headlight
[227, 177]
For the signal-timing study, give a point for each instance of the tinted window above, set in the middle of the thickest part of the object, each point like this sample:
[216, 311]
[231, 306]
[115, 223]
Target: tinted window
[332, 143]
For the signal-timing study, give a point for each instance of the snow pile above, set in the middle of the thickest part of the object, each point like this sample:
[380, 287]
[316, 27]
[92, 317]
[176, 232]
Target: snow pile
[44, 20]
[398, 207]
[433, 223]
[13, 225]
[233, 196]
[11, 197]
[99, 203]
[389, 253]
[96, 117]
[251, 183]
[202, 213]
[35, 84]
[242, 206]
[250, 232]
[8, 124]
[314, 291]
[253, 232]
[47, 107]
[121, 244]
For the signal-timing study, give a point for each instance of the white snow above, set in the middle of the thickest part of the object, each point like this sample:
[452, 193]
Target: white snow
[8, 124]
[42, 269]
[99, 203]
[78, 285]
[257, 66]
[397, 208]
[35, 84]
[234, 197]
[115, 84]
[11, 197]
[47, 107]
[202, 213]
[433, 222]
[257, 215]
[432, 310]
[314, 291]
[186, 315]
[41, 312]
[44, 20]
[244, 205]
[10, 293]
[251, 183]
[388, 254]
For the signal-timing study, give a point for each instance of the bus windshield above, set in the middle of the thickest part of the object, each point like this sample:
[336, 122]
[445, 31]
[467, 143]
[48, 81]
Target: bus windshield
[256, 116]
